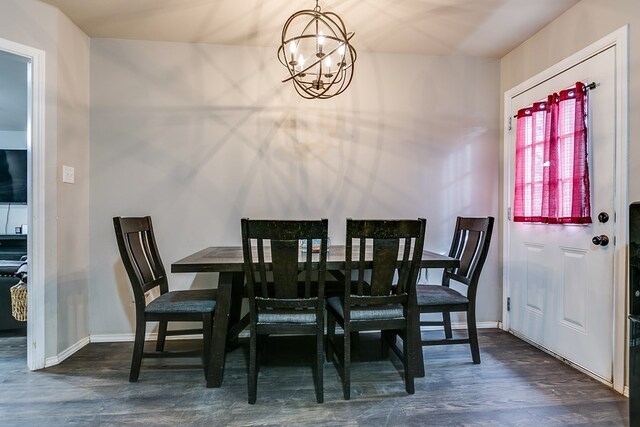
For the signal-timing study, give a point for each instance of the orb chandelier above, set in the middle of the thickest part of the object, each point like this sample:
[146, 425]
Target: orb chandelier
[317, 52]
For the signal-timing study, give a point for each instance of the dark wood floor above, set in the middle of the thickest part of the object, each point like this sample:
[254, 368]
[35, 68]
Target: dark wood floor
[516, 385]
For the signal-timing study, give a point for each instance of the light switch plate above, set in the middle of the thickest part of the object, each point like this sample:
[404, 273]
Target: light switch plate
[68, 174]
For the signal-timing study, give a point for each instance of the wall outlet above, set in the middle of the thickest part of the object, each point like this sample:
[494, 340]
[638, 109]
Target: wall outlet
[68, 174]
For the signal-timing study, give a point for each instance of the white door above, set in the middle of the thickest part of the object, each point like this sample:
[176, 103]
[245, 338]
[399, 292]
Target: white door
[561, 284]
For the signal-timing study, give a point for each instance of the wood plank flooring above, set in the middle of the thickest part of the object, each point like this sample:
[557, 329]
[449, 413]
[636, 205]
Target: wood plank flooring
[516, 385]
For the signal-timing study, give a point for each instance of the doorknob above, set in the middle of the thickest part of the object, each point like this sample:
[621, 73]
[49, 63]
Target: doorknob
[603, 217]
[601, 240]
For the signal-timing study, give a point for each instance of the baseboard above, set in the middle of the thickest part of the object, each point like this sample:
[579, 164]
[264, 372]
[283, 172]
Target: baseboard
[105, 338]
[245, 333]
[463, 326]
[52, 361]
[131, 337]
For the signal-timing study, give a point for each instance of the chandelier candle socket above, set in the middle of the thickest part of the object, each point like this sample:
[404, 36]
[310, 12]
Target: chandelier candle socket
[316, 51]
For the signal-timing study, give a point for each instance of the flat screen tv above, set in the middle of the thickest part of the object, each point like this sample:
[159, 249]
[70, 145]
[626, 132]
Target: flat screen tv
[13, 176]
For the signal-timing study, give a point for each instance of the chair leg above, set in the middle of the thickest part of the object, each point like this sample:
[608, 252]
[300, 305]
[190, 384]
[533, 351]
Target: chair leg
[331, 332]
[473, 336]
[253, 366]
[207, 321]
[320, 364]
[409, 375]
[386, 339]
[138, 348]
[162, 335]
[346, 365]
[263, 348]
[446, 319]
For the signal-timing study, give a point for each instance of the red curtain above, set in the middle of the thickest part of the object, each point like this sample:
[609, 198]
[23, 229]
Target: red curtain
[552, 171]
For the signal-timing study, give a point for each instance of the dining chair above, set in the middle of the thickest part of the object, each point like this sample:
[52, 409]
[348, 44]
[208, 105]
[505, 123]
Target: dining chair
[384, 302]
[286, 294]
[141, 259]
[470, 245]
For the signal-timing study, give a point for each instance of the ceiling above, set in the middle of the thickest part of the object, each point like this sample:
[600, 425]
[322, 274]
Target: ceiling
[485, 28]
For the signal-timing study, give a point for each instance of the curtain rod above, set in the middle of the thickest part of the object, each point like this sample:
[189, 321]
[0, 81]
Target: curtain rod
[590, 86]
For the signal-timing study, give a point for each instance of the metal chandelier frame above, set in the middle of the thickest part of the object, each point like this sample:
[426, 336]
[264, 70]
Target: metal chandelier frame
[328, 67]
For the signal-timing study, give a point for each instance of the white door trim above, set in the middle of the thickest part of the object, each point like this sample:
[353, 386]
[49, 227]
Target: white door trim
[35, 200]
[619, 40]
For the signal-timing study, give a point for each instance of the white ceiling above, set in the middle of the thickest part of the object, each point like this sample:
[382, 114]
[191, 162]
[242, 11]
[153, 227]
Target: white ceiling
[487, 28]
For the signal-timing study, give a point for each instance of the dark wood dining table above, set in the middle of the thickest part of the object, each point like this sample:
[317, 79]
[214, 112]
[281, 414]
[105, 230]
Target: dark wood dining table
[228, 262]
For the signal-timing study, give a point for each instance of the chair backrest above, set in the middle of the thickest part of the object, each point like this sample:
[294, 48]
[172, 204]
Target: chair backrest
[391, 245]
[140, 256]
[274, 246]
[470, 245]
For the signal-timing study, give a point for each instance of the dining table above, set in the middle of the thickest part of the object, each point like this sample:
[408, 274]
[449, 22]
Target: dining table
[228, 262]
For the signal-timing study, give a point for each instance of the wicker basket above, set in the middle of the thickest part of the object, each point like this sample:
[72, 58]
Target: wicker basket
[19, 301]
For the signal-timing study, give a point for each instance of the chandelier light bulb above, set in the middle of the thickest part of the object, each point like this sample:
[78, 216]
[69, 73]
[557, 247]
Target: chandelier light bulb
[341, 49]
[321, 38]
[327, 62]
[293, 47]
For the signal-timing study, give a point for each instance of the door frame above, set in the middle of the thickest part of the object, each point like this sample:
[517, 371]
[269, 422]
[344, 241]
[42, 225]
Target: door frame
[35, 199]
[618, 40]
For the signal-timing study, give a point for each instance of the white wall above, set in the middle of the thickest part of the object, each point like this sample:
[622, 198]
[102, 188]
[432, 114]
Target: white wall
[73, 199]
[199, 136]
[34, 24]
[40, 26]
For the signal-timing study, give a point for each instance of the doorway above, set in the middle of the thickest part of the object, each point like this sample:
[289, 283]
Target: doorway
[563, 293]
[13, 188]
[35, 207]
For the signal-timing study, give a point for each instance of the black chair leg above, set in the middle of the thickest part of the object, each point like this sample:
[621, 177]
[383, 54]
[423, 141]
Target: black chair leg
[207, 321]
[386, 340]
[407, 346]
[320, 364]
[346, 366]
[162, 335]
[473, 336]
[253, 367]
[446, 320]
[331, 333]
[138, 349]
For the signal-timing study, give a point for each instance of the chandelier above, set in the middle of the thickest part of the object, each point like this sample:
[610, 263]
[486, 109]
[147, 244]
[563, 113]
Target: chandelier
[316, 51]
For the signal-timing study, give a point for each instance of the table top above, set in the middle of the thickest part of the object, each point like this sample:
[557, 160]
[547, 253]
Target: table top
[229, 259]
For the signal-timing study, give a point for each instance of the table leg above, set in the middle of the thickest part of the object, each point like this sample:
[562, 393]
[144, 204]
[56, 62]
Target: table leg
[217, 351]
[235, 280]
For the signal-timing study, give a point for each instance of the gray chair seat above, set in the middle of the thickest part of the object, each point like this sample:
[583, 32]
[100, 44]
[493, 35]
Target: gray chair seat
[196, 301]
[293, 317]
[371, 312]
[430, 295]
